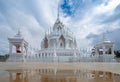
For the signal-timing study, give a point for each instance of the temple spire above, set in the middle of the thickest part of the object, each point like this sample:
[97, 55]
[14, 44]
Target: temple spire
[58, 13]
[18, 34]
[104, 37]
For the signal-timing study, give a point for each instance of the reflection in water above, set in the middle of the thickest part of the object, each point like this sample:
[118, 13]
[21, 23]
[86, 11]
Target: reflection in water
[54, 75]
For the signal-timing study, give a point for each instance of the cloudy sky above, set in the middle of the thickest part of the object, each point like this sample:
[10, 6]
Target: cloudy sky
[88, 19]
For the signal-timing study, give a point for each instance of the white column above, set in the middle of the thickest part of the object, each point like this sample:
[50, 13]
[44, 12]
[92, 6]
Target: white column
[23, 56]
[57, 43]
[50, 30]
[75, 53]
[43, 54]
[97, 51]
[10, 48]
[47, 54]
[66, 44]
[54, 53]
[112, 50]
[39, 55]
[26, 48]
[51, 54]
[103, 49]
[22, 48]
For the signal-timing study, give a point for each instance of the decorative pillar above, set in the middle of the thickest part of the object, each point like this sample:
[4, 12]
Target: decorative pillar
[10, 48]
[22, 51]
[57, 41]
[43, 54]
[103, 49]
[73, 44]
[54, 53]
[46, 54]
[26, 49]
[66, 43]
[75, 54]
[39, 55]
[50, 30]
[97, 52]
[22, 48]
[112, 50]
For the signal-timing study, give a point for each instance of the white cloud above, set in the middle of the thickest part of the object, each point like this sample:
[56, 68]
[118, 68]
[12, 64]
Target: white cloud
[32, 22]
[107, 7]
[91, 22]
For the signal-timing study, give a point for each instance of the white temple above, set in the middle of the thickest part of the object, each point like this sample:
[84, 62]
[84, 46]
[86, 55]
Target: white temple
[18, 48]
[58, 42]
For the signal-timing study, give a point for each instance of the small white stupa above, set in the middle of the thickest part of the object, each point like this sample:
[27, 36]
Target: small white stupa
[104, 49]
[18, 48]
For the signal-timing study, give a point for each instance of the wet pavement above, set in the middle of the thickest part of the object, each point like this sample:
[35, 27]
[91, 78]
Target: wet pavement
[54, 75]
[59, 72]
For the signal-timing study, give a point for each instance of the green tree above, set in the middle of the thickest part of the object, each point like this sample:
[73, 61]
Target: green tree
[117, 54]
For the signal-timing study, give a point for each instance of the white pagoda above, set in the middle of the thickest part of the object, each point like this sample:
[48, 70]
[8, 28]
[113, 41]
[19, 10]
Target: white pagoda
[59, 41]
[18, 48]
[104, 49]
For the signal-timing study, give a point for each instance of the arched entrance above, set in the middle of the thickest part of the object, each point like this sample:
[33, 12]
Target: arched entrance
[62, 42]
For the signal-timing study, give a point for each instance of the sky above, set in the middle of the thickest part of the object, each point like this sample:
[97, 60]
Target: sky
[87, 19]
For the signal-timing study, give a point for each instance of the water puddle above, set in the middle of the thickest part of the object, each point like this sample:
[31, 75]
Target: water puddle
[54, 75]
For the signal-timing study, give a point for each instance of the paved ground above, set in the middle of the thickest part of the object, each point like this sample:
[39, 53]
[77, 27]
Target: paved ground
[110, 67]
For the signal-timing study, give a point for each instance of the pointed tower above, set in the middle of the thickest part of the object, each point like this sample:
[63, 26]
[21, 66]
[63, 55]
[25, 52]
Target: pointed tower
[58, 13]
[58, 26]
[104, 38]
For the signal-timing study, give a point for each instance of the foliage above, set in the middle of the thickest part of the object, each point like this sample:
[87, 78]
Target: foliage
[4, 57]
[117, 53]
